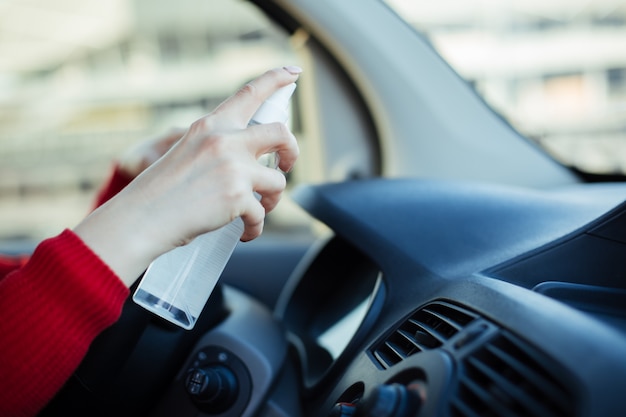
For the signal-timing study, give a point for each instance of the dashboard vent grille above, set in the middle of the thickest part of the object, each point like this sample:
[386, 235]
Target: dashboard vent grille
[427, 328]
[505, 377]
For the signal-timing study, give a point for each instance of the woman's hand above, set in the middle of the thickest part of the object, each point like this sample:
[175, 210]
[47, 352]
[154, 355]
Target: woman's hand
[203, 182]
[136, 159]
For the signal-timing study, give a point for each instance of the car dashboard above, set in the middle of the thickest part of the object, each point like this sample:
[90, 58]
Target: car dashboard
[466, 299]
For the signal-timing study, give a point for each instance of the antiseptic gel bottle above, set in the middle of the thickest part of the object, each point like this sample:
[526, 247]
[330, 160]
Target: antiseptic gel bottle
[177, 284]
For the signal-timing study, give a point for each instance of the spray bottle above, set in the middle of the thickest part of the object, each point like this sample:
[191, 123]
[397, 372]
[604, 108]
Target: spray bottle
[177, 284]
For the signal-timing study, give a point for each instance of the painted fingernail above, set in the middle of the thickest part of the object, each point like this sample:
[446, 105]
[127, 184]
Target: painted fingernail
[292, 69]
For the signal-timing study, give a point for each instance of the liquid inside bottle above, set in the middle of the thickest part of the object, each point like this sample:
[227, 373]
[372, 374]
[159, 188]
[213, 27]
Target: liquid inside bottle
[177, 286]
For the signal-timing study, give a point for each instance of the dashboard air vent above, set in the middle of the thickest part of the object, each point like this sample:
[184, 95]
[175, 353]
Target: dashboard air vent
[427, 328]
[505, 377]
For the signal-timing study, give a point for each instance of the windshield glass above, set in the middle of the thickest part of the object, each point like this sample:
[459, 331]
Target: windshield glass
[556, 70]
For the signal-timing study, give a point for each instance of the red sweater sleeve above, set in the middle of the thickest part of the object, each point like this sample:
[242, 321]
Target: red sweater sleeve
[51, 309]
[117, 181]
[11, 263]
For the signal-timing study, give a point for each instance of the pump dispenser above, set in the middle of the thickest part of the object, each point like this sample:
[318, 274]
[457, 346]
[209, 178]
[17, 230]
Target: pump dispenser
[177, 284]
[274, 109]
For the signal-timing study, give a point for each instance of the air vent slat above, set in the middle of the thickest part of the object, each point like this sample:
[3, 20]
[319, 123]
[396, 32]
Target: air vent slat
[506, 376]
[483, 400]
[421, 337]
[460, 409]
[443, 319]
[427, 328]
[400, 353]
[451, 312]
[411, 343]
[397, 348]
[508, 394]
[384, 359]
[533, 378]
[430, 331]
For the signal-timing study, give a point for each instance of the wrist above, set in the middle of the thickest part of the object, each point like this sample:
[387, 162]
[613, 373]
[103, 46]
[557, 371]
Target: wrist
[119, 235]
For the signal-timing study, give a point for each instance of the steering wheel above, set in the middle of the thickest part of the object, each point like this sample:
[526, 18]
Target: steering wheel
[130, 364]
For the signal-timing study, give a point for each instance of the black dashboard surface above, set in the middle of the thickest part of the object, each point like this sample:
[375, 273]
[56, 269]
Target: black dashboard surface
[455, 228]
[478, 277]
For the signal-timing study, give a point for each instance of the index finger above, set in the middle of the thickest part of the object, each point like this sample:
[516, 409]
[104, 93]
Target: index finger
[241, 106]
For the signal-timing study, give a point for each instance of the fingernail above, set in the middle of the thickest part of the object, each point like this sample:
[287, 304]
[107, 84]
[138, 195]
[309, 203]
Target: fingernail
[292, 69]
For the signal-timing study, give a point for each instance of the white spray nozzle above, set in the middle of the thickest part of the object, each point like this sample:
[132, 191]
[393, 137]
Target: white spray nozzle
[274, 109]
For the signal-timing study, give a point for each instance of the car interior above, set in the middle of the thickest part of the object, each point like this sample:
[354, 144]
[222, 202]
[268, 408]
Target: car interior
[450, 266]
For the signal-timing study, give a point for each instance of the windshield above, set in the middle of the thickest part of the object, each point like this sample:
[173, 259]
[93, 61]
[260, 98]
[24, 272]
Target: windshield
[556, 70]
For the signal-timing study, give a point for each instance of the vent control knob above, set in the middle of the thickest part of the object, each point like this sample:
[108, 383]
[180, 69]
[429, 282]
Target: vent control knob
[390, 400]
[214, 388]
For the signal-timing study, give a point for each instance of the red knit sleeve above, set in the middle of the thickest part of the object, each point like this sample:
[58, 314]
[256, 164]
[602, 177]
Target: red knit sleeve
[11, 263]
[117, 181]
[51, 309]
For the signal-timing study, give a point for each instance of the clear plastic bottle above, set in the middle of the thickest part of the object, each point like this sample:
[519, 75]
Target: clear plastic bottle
[178, 283]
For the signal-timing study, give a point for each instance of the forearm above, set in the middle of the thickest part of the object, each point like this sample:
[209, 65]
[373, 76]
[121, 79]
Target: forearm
[119, 232]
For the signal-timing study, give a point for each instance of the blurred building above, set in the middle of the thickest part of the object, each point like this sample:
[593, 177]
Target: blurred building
[555, 69]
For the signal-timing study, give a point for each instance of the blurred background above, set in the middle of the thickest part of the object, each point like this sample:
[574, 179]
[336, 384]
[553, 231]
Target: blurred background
[555, 69]
[83, 80]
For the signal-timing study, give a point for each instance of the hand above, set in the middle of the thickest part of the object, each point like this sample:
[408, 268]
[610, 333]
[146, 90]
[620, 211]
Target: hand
[203, 182]
[135, 160]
